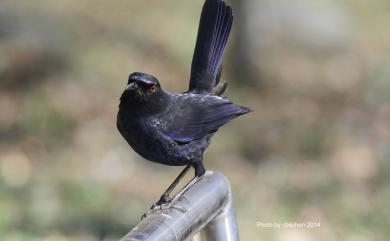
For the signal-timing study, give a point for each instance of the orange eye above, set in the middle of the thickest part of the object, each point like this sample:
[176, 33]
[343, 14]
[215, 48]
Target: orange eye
[152, 88]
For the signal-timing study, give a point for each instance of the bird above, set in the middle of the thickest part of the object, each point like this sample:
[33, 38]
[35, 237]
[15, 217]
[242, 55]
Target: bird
[175, 128]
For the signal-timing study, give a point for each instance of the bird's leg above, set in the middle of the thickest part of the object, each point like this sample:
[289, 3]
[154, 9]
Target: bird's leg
[185, 188]
[165, 201]
[199, 169]
[199, 172]
[165, 196]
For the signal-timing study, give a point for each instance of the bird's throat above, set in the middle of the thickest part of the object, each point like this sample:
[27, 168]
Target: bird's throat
[144, 106]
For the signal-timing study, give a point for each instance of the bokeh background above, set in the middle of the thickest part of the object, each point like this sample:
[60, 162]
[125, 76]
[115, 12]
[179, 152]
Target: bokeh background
[317, 74]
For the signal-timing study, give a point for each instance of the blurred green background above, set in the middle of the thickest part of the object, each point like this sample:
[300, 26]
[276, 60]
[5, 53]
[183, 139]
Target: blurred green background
[315, 149]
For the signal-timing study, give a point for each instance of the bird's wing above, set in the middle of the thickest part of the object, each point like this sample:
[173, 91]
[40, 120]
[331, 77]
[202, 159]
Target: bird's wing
[214, 28]
[198, 119]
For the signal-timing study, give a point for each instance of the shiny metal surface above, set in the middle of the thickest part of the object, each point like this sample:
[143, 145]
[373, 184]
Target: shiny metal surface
[223, 227]
[207, 202]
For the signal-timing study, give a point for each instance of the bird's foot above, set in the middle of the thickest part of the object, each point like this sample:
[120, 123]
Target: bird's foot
[163, 206]
[163, 199]
[167, 202]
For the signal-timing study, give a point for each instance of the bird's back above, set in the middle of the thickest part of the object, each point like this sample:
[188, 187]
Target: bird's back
[193, 116]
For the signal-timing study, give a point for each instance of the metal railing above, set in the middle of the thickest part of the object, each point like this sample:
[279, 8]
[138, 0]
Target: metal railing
[206, 206]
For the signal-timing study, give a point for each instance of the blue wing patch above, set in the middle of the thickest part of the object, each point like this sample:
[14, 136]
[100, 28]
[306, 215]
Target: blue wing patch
[199, 122]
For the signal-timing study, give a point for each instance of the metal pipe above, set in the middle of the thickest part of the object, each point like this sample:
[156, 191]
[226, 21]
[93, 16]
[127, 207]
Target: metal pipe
[207, 202]
[223, 227]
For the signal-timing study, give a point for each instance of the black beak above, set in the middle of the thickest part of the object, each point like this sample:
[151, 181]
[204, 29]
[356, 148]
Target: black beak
[134, 90]
[132, 87]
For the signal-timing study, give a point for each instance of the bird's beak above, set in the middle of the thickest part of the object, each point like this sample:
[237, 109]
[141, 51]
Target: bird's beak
[132, 86]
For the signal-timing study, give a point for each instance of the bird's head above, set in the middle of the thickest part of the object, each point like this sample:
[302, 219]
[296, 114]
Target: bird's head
[142, 87]
[143, 93]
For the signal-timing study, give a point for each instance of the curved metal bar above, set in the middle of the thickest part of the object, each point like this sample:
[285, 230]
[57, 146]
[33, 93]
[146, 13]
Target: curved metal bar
[223, 227]
[207, 202]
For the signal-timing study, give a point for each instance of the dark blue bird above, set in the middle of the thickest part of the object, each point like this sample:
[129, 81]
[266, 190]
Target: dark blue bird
[175, 128]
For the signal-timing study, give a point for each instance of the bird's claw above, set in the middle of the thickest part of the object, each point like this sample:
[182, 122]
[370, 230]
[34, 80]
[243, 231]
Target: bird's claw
[163, 200]
[161, 207]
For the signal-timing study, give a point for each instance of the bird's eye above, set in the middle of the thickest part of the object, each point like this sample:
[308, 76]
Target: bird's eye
[152, 88]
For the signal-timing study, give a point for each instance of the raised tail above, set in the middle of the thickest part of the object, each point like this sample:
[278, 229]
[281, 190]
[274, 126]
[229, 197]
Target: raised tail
[214, 29]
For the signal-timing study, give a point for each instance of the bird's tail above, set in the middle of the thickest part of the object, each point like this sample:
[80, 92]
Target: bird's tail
[214, 28]
[219, 87]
